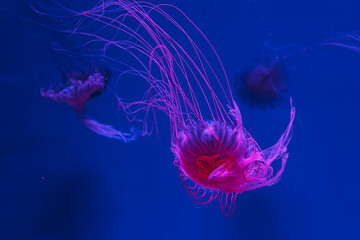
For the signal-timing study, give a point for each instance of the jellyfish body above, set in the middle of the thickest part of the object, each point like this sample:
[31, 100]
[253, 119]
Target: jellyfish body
[222, 159]
[263, 84]
[77, 89]
[214, 154]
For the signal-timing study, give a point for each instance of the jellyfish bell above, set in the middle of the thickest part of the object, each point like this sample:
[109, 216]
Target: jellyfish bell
[99, 76]
[267, 80]
[77, 89]
[207, 155]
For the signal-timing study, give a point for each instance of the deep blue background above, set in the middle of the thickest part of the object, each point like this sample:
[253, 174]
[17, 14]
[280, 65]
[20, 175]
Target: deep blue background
[98, 188]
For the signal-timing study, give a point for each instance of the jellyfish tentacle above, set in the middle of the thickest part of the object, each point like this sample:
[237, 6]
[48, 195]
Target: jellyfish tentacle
[227, 203]
[278, 151]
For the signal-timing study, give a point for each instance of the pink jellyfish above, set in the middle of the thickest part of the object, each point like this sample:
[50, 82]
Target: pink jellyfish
[77, 89]
[214, 154]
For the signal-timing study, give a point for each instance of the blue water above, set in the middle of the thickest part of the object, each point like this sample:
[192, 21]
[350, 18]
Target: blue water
[58, 180]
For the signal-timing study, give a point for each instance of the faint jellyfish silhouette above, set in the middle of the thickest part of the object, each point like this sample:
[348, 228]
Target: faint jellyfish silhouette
[263, 84]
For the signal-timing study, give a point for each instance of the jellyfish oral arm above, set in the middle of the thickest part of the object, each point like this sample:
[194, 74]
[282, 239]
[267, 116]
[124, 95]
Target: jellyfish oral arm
[109, 131]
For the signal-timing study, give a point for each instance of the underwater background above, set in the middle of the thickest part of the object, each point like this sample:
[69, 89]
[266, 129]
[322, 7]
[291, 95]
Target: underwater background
[58, 180]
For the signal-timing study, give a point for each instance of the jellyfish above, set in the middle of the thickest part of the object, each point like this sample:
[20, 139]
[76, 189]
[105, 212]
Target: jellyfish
[159, 45]
[76, 89]
[263, 84]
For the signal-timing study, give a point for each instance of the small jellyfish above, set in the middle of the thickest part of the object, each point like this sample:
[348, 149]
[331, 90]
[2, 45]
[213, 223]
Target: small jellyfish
[263, 84]
[76, 89]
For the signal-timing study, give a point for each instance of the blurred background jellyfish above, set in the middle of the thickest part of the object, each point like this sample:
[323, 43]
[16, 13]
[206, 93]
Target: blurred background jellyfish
[177, 71]
[263, 84]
